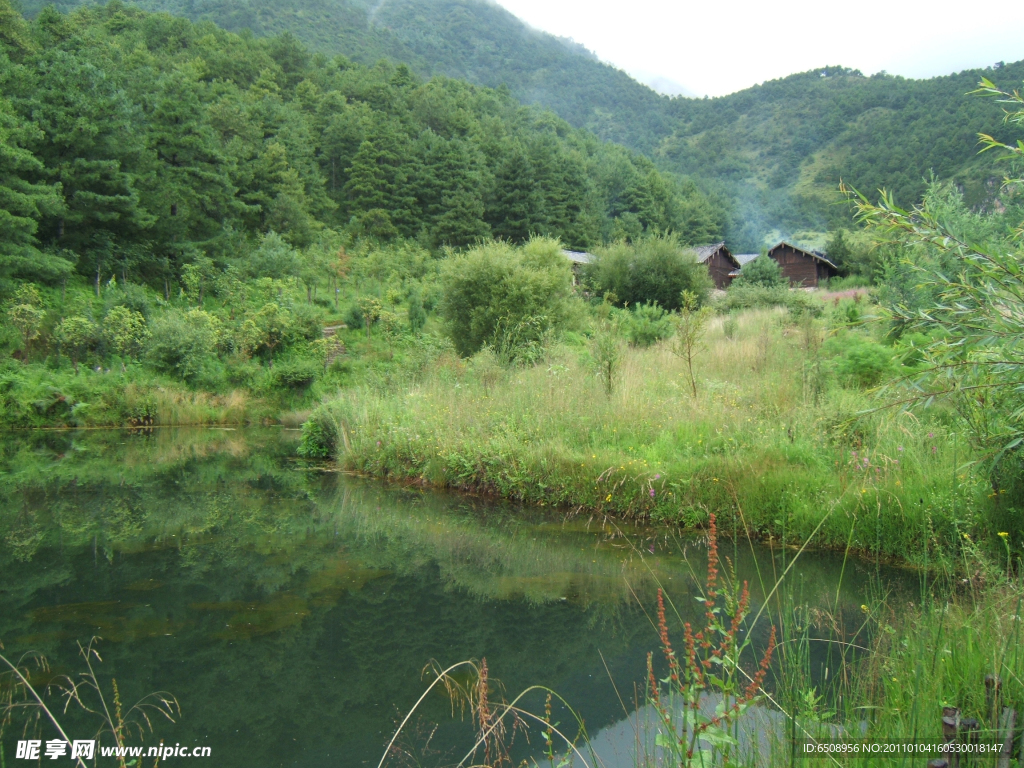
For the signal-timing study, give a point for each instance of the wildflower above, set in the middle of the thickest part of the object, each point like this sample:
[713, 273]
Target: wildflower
[864, 608]
[931, 435]
[608, 497]
[657, 477]
[1003, 534]
[899, 448]
[652, 493]
[966, 537]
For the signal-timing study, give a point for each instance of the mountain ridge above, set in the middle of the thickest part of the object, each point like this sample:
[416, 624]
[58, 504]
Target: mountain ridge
[772, 153]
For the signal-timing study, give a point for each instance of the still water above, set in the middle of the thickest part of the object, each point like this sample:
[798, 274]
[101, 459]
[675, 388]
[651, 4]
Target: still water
[291, 610]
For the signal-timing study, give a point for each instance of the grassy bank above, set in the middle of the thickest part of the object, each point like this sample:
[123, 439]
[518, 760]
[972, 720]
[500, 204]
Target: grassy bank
[775, 442]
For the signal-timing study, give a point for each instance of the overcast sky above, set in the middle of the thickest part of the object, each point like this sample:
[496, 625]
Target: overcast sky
[716, 47]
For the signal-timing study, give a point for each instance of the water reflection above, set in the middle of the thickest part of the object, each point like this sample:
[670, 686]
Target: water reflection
[292, 611]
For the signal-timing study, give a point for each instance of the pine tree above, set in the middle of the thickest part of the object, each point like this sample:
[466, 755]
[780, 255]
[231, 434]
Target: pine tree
[88, 146]
[189, 188]
[24, 201]
[513, 208]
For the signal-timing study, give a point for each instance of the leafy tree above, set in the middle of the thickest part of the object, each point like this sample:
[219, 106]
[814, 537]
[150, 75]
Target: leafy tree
[126, 332]
[27, 314]
[655, 269]
[181, 342]
[417, 316]
[607, 353]
[369, 312]
[265, 330]
[75, 335]
[762, 271]
[691, 325]
[275, 258]
[498, 286]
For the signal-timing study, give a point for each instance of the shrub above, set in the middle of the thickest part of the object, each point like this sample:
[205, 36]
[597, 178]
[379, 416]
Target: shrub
[181, 341]
[740, 297]
[128, 295]
[656, 269]
[730, 326]
[495, 288]
[762, 271]
[275, 258]
[862, 362]
[647, 324]
[354, 317]
[306, 323]
[296, 374]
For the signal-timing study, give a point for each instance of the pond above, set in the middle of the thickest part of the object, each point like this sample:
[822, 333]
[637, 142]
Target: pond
[291, 611]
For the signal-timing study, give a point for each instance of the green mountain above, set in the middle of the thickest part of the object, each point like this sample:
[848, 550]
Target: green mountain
[772, 155]
[144, 143]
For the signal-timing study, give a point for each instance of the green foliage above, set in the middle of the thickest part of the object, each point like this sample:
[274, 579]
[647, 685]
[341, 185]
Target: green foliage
[264, 330]
[861, 362]
[762, 272]
[654, 269]
[125, 331]
[607, 352]
[183, 341]
[75, 334]
[416, 314]
[647, 324]
[497, 293]
[730, 325]
[691, 325]
[295, 374]
[26, 314]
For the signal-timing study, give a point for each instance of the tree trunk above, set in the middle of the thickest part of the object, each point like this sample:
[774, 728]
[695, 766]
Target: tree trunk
[99, 266]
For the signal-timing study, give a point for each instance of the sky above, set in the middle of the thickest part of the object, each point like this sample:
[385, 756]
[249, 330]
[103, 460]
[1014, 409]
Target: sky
[721, 46]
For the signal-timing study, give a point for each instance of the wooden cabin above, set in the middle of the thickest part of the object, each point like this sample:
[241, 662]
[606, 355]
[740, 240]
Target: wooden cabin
[720, 263]
[803, 268]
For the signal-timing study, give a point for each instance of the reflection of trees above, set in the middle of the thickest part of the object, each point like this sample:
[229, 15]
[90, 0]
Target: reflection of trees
[279, 604]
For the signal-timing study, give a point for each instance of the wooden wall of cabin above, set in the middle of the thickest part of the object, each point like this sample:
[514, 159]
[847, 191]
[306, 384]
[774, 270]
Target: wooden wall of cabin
[799, 269]
[719, 268]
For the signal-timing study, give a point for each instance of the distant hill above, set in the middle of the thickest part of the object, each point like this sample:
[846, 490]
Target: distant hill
[773, 154]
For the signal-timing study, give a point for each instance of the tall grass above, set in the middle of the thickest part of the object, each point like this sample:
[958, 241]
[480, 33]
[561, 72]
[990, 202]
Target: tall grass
[771, 440]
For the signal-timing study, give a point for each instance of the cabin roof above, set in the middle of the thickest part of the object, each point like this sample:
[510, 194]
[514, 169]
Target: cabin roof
[705, 252]
[578, 257]
[816, 255]
[745, 258]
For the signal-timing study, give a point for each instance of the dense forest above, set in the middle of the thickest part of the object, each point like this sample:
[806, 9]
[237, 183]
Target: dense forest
[137, 143]
[771, 155]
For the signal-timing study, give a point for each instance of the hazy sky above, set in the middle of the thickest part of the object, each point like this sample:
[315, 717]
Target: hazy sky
[717, 46]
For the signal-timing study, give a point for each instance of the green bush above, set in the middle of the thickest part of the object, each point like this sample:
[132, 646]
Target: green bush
[306, 323]
[499, 290]
[647, 324]
[861, 362]
[763, 271]
[740, 296]
[182, 341]
[354, 317]
[656, 269]
[296, 374]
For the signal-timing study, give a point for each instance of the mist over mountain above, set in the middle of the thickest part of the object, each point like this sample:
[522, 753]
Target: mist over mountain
[772, 154]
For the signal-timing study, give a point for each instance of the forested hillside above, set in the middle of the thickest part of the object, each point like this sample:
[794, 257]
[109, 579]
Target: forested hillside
[772, 154]
[149, 142]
